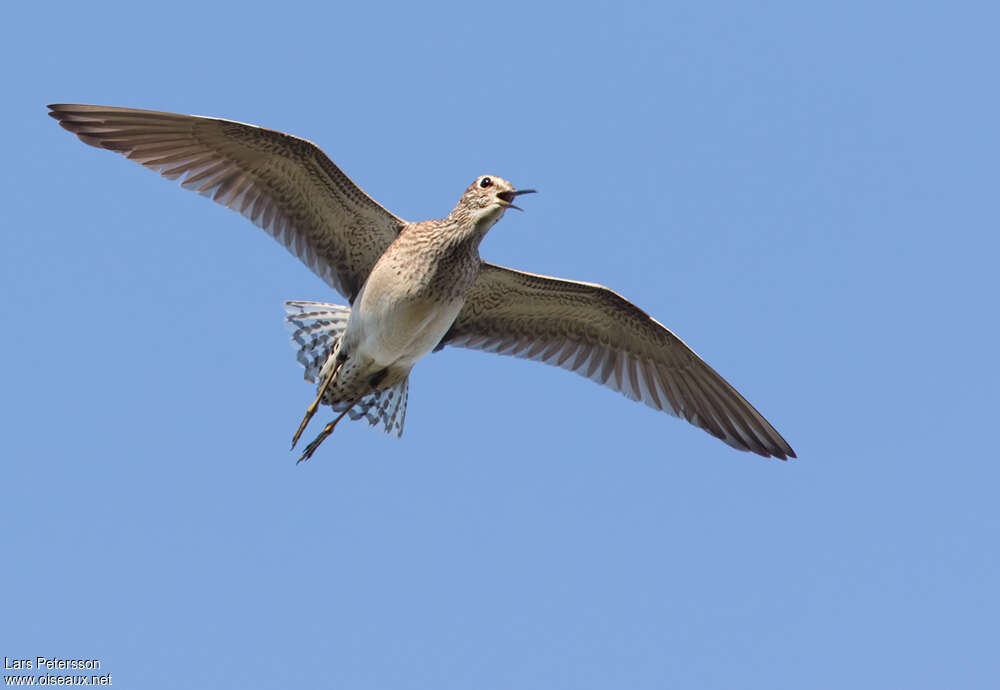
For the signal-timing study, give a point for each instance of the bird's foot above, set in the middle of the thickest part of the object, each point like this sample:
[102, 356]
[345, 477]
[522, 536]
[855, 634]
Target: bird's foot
[327, 430]
[311, 410]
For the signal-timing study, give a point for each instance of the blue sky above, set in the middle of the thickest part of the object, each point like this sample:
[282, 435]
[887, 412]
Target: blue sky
[805, 193]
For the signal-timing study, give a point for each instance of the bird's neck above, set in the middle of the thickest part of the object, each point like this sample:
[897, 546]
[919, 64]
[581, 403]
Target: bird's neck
[472, 226]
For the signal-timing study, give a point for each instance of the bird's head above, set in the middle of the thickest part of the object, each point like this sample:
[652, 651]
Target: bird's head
[486, 199]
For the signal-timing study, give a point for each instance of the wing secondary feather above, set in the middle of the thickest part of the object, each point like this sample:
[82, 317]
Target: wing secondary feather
[283, 184]
[594, 332]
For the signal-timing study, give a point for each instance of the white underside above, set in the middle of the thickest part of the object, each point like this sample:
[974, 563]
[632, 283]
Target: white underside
[397, 332]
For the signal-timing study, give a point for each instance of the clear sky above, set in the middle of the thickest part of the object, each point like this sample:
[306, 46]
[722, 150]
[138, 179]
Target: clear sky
[806, 193]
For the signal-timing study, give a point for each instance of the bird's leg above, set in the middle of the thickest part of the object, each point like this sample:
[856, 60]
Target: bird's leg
[376, 379]
[327, 430]
[311, 410]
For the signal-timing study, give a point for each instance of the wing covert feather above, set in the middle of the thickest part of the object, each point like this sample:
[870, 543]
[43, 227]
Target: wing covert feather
[594, 332]
[283, 184]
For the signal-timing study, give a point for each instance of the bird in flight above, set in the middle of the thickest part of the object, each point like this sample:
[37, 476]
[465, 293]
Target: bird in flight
[416, 287]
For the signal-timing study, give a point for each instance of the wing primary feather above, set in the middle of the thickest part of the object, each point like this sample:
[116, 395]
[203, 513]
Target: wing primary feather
[650, 380]
[286, 184]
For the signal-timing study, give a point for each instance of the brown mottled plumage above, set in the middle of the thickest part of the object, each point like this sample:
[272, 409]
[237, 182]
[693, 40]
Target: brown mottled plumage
[416, 287]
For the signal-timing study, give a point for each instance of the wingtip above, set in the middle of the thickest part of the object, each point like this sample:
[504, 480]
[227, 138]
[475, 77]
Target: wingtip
[784, 454]
[779, 450]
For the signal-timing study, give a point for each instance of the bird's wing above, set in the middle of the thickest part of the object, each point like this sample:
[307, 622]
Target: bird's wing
[284, 184]
[597, 333]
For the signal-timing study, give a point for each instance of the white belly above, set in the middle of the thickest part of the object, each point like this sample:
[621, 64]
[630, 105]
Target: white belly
[397, 332]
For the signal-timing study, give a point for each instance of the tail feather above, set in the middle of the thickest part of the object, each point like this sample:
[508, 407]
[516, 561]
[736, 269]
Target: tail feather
[316, 331]
[386, 406]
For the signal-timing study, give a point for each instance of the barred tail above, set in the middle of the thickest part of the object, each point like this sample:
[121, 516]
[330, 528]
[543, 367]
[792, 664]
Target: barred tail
[316, 331]
[387, 406]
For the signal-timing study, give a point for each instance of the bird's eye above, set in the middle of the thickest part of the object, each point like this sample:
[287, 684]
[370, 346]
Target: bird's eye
[485, 182]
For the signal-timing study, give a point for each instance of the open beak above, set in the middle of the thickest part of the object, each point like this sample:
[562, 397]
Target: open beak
[508, 197]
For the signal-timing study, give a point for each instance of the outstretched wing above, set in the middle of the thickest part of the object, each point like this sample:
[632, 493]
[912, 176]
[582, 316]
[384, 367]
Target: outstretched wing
[597, 333]
[284, 184]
